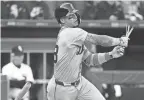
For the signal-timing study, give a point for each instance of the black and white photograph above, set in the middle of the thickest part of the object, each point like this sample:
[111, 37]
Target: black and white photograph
[72, 50]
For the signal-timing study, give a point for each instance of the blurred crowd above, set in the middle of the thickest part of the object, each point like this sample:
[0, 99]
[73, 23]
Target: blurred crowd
[89, 10]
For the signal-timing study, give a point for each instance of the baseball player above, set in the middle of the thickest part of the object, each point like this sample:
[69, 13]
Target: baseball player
[67, 82]
[18, 73]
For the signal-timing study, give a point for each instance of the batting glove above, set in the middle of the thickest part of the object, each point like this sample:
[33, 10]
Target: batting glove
[117, 52]
[123, 41]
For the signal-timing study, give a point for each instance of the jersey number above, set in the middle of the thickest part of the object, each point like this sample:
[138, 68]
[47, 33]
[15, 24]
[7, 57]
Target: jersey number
[55, 53]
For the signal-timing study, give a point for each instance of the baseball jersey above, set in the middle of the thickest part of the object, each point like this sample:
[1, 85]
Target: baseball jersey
[22, 73]
[15, 73]
[68, 54]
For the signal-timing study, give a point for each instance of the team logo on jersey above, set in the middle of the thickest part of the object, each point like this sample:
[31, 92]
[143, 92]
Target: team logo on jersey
[80, 49]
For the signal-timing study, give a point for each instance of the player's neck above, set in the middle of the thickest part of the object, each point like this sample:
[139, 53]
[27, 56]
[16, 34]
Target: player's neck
[18, 66]
[64, 26]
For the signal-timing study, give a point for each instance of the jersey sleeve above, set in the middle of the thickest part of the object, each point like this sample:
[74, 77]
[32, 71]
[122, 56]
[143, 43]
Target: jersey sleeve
[5, 71]
[79, 36]
[29, 74]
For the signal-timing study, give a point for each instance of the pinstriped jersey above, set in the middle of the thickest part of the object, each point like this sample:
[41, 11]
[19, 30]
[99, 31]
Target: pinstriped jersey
[68, 54]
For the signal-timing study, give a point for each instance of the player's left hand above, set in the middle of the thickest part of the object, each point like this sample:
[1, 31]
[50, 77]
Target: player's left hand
[117, 52]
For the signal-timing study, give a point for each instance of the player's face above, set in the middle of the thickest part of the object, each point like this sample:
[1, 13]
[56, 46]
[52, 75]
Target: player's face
[71, 20]
[17, 60]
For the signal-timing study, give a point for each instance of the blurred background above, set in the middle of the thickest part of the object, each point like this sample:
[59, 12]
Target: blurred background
[89, 10]
[32, 25]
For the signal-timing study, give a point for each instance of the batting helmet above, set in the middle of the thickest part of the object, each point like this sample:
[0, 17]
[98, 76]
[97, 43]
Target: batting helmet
[64, 10]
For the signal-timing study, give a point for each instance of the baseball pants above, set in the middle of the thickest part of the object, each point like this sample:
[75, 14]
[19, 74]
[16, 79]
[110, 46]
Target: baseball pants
[84, 91]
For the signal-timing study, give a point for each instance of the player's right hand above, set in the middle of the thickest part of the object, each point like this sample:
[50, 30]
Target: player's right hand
[117, 52]
[124, 41]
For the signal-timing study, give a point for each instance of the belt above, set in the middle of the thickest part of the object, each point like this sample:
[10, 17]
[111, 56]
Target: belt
[76, 83]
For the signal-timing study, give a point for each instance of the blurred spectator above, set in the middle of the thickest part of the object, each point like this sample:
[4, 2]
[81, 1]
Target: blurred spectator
[131, 10]
[5, 9]
[109, 10]
[89, 10]
[51, 5]
[80, 5]
[37, 9]
[18, 10]
[141, 8]
[14, 10]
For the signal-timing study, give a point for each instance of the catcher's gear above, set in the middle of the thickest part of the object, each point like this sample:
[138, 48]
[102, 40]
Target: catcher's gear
[66, 9]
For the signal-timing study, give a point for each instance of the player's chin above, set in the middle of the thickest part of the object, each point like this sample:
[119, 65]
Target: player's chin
[75, 23]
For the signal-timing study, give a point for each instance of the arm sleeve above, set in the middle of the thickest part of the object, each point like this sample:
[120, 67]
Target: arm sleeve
[96, 59]
[79, 36]
[29, 75]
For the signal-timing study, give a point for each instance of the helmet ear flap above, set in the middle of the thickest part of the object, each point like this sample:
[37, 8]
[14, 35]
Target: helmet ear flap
[59, 13]
[78, 18]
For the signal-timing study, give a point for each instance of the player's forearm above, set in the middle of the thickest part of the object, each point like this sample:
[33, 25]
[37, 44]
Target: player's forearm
[24, 90]
[97, 59]
[17, 84]
[102, 40]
